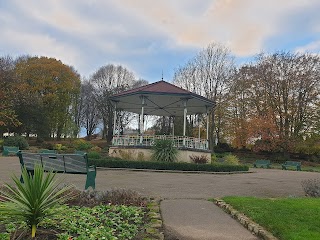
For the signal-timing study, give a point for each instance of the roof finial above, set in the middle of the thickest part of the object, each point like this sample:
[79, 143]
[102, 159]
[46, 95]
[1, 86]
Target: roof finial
[162, 76]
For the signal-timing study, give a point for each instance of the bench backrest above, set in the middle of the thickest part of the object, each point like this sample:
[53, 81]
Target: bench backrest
[293, 163]
[10, 149]
[47, 151]
[79, 152]
[68, 163]
[262, 161]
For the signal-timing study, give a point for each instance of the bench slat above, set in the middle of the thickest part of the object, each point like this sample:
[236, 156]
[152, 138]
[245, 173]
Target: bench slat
[7, 150]
[68, 163]
[262, 163]
[294, 164]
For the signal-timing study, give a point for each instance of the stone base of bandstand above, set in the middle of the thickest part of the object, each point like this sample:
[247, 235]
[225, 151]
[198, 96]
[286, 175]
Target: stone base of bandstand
[145, 153]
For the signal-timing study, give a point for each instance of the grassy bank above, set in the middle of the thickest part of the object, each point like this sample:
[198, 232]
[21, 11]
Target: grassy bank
[285, 218]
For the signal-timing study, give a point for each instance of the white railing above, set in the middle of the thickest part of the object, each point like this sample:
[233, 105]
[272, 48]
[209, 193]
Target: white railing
[148, 140]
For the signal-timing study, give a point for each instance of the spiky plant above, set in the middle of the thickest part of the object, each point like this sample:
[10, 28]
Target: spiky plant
[34, 199]
[164, 151]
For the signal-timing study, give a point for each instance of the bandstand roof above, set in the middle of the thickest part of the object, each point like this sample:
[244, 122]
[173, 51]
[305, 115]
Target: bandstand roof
[161, 99]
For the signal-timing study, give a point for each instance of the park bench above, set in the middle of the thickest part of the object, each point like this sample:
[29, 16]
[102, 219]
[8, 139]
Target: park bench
[9, 150]
[80, 152]
[296, 165]
[48, 151]
[262, 163]
[60, 163]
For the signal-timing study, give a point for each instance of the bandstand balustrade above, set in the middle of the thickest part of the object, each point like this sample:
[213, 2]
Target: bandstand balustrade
[148, 141]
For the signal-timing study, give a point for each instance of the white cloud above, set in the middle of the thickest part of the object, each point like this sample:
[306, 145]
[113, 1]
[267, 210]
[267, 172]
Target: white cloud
[244, 25]
[41, 45]
[311, 47]
[86, 33]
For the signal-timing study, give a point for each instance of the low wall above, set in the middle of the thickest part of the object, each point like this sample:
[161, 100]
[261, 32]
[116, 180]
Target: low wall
[136, 153]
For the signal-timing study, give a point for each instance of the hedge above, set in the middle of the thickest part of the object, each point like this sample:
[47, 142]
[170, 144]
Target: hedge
[182, 166]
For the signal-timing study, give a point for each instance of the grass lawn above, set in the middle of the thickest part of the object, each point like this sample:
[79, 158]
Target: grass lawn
[278, 166]
[285, 218]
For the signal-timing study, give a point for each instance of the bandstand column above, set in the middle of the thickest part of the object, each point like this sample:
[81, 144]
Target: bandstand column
[173, 118]
[184, 121]
[115, 119]
[142, 119]
[199, 131]
[207, 127]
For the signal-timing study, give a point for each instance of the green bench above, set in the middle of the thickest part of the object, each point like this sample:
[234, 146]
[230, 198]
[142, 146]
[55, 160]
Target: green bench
[48, 151]
[9, 150]
[60, 163]
[262, 163]
[80, 152]
[291, 164]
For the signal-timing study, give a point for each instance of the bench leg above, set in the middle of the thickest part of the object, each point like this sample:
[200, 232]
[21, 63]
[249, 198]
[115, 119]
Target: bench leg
[91, 180]
[30, 172]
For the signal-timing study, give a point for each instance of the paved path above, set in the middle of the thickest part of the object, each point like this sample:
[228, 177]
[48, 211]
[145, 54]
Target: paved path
[200, 219]
[180, 189]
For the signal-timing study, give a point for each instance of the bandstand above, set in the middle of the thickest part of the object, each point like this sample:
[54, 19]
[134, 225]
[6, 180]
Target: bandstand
[160, 99]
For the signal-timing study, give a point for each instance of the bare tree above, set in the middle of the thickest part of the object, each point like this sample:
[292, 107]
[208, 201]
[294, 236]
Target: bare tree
[89, 114]
[108, 80]
[208, 74]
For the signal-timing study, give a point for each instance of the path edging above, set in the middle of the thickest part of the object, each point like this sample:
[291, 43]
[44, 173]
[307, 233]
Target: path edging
[154, 229]
[174, 171]
[253, 227]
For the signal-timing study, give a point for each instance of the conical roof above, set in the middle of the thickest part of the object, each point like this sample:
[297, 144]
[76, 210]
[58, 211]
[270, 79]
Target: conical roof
[161, 99]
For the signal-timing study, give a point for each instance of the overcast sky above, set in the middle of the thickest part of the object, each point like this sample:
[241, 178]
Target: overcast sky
[148, 36]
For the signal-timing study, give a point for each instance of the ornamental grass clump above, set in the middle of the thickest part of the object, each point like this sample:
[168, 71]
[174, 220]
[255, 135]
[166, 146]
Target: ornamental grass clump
[35, 199]
[164, 151]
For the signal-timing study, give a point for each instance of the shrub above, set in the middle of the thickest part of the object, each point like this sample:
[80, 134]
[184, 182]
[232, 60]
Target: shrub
[48, 145]
[93, 155]
[311, 187]
[182, 166]
[81, 144]
[95, 149]
[16, 141]
[164, 151]
[199, 159]
[222, 147]
[213, 158]
[58, 146]
[34, 199]
[114, 196]
[231, 159]
[1, 143]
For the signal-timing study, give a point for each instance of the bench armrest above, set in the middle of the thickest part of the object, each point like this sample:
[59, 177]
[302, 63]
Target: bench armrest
[92, 167]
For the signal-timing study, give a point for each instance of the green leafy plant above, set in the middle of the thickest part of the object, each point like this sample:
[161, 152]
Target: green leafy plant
[82, 145]
[231, 159]
[16, 141]
[94, 155]
[32, 200]
[213, 158]
[164, 151]
[58, 146]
